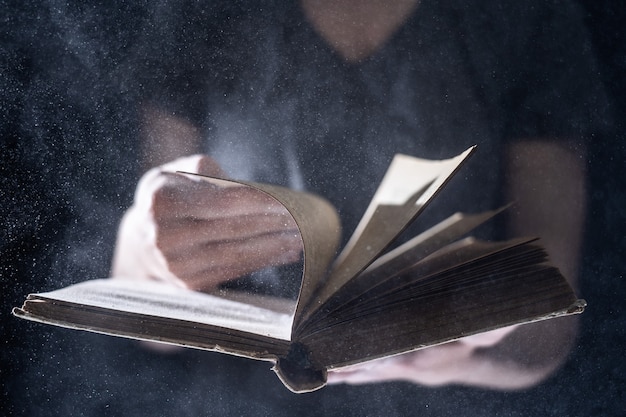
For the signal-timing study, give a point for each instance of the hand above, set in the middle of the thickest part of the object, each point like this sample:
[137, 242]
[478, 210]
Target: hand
[198, 234]
[458, 362]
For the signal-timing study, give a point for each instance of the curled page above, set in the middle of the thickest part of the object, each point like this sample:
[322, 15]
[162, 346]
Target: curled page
[409, 184]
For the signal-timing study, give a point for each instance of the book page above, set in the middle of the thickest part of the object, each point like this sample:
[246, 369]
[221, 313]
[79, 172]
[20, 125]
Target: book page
[403, 257]
[408, 186]
[467, 288]
[235, 315]
[166, 301]
[427, 242]
[319, 227]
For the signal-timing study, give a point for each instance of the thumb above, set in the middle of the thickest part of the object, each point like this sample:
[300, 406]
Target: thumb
[196, 164]
[207, 166]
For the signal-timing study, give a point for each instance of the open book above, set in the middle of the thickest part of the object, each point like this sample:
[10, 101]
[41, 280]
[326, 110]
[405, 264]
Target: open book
[361, 305]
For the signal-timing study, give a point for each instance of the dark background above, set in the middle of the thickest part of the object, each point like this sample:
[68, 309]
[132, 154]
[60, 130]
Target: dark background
[68, 172]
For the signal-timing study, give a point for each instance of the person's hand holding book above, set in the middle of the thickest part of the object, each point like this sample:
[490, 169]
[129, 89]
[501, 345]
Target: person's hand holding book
[186, 231]
[465, 361]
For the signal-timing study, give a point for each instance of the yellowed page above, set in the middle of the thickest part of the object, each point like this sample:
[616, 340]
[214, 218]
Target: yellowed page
[408, 186]
[319, 227]
[405, 256]
[466, 288]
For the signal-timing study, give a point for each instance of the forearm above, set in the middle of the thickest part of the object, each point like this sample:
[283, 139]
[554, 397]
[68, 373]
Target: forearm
[546, 181]
[528, 355]
[165, 137]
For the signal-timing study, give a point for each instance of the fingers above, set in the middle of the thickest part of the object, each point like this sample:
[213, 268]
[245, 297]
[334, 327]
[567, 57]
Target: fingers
[205, 267]
[380, 370]
[200, 164]
[200, 232]
[487, 339]
[180, 233]
[211, 231]
[433, 366]
[452, 362]
[179, 197]
[207, 166]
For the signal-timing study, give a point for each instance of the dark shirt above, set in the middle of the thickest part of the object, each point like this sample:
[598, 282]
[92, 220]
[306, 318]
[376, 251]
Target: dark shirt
[277, 104]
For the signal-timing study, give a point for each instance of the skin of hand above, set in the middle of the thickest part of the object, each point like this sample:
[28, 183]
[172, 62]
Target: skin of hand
[452, 362]
[546, 179]
[198, 234]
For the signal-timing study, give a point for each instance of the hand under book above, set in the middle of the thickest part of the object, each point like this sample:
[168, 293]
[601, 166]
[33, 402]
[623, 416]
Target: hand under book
[457, 362]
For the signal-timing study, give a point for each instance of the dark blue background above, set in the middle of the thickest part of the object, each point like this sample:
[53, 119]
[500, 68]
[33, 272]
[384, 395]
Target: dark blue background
[67, 174]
